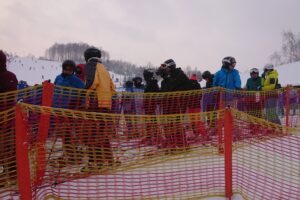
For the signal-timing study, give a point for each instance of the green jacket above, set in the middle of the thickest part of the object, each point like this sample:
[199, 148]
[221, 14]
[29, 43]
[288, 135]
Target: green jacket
[254, 84]
[271, 80]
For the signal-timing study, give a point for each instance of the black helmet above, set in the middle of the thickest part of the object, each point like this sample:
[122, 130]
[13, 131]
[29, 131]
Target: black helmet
[135, 79]
[92, 53]
[128, 84]
[206, 75]
[170, 63]
[69, 63]
[148, 74]
[229, 60]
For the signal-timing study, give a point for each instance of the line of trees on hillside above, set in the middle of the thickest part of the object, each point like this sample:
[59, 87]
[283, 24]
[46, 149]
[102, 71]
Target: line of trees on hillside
[290, 49]
[75, 51]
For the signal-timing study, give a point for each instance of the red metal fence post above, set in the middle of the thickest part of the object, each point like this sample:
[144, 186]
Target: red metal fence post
[23, 167]
[228, 152]
[220, 123]
[42, 134]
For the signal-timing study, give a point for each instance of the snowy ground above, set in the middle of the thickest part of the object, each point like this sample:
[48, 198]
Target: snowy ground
[36, 71]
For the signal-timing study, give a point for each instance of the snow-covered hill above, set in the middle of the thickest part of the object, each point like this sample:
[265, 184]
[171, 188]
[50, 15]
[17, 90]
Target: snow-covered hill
[35, 71]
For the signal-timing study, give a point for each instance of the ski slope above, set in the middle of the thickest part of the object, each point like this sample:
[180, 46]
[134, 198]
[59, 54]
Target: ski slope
[35, 71]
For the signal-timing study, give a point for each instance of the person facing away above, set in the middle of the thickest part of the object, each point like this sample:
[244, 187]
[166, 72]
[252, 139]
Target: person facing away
[228, 77]
[255, 82]
[8, 80]
[98, 78]
[208, 77]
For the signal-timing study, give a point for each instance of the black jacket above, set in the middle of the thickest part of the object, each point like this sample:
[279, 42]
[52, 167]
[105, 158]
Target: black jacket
[90, 70]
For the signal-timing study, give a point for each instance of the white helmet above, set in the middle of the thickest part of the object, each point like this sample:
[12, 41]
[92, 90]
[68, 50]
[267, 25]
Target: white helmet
[268, 67]
[254, 70]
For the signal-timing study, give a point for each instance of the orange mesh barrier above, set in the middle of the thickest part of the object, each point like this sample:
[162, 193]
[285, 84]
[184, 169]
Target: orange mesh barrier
[265, 159]
[8, 174]
[88, 156]
[91, 156]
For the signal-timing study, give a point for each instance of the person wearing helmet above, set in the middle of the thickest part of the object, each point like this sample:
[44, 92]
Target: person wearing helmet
[271, 78]
[138, 84]
[208, 77]
[228, 77]
[252, 103]
[174, 79]
[99, 80]
[271, 83]
[151, 107]
[255, 82]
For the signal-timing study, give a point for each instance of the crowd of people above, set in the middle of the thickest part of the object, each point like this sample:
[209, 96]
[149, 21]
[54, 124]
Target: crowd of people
[94, 76]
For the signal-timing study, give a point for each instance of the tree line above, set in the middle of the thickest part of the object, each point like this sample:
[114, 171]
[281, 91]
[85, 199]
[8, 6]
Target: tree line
[290, 49]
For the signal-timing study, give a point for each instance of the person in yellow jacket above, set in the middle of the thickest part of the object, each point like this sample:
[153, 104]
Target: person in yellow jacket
[270, 82]
[98, 79]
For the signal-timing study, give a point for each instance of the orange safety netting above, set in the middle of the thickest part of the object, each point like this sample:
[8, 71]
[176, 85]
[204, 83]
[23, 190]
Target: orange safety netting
[88, 155]
[150, 146]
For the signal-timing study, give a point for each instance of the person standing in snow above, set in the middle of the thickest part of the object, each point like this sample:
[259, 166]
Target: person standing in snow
[229, 78]
[174, 79]
[8, 80]
[98, 79]
[8, 83]
[253, 102]
[68, 100]
[270, 83]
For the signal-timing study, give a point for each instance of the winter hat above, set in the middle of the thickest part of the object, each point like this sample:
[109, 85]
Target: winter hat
[170, 63]
[92, 53]
[193, 77]
[69, 63]
[2, 58]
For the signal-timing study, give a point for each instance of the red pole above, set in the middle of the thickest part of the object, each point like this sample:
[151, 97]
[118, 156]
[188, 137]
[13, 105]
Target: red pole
[287, 105]
[228, 127]
[42, 134]
[220, 123]
[23, 168]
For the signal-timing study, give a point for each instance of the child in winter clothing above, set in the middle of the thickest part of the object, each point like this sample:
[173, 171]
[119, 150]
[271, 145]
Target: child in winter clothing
[99, 80]
[253, 103]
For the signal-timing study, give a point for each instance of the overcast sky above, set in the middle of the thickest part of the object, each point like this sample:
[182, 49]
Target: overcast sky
[192, 32]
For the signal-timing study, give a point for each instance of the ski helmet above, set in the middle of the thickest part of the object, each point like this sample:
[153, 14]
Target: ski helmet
[254, 70]
[269, 66]
[92, 53]
[135, 79]
[170, 63]
[206, 75]
[228, 60]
